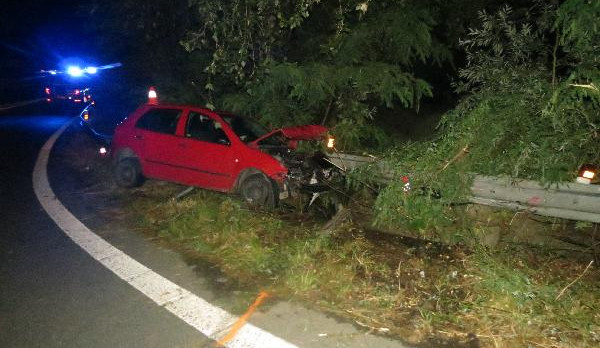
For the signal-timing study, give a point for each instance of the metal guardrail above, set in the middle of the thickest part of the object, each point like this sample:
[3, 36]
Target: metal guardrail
[572, 201]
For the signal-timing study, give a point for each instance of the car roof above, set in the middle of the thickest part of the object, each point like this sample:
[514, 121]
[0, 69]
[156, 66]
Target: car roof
[189, 106]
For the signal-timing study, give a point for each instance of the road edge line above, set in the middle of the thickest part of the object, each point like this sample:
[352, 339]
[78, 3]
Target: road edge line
[210, 320]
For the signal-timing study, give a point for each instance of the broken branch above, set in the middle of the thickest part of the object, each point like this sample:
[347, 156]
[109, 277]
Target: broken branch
[574, 281]
[461, 153]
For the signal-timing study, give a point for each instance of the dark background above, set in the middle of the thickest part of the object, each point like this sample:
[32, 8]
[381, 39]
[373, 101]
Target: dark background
[37, 35]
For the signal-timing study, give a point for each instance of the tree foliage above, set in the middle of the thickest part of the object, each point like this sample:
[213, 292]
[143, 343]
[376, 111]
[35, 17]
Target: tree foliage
[242, 35]
[530, 110]
[355, 57]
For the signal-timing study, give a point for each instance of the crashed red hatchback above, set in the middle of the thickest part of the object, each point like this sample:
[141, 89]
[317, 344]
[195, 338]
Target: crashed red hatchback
[218, 151]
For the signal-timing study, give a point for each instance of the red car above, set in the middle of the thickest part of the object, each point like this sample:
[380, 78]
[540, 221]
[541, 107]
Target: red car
[218, 151]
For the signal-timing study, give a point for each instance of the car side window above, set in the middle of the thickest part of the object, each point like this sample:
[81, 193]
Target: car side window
[202, 127]
[160, 120]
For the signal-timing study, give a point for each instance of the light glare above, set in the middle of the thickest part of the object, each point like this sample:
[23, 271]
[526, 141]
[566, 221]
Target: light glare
[74, 71]
[588, 174]
[91, 70]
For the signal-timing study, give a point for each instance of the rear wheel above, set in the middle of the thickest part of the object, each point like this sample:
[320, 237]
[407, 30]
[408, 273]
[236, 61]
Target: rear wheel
[258, 191]
[128, 173]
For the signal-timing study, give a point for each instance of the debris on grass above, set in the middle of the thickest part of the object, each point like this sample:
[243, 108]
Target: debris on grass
[417, 290]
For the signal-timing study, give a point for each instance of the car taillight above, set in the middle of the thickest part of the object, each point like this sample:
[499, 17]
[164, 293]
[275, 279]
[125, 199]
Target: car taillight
[47, 90]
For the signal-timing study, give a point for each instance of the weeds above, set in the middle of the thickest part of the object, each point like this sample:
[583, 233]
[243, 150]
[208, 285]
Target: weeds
[417, 290]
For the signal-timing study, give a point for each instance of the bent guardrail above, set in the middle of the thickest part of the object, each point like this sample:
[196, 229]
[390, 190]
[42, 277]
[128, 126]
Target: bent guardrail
[572, 201]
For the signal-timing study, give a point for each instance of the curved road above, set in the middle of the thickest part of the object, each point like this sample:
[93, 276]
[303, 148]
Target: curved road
[52, 293]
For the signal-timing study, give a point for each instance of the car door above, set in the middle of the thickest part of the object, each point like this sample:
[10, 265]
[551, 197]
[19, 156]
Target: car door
[156, 131]
[207, 152]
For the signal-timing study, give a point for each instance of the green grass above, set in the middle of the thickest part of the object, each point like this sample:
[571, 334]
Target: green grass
[516, 293]
[414, 289]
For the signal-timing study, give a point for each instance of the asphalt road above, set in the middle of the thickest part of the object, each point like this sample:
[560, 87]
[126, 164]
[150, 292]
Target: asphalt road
[54, 294]
[51, 292]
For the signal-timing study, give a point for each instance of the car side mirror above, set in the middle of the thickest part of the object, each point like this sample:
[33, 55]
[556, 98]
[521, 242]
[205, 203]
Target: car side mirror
[223, 141]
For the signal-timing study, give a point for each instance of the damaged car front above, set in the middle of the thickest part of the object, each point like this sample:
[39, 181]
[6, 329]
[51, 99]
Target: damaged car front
[309, 169]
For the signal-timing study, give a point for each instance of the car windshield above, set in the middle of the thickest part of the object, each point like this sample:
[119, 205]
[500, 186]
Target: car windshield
[247, 130]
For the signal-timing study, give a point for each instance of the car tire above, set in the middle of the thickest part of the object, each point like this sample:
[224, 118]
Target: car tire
[128, 173]
[258, 191]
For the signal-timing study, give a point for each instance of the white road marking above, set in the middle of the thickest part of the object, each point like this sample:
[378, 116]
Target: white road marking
[210, 320]
[19, 104]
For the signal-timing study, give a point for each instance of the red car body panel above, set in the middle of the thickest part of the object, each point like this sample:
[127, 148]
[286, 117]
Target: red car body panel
[194, 162]
[308, 132]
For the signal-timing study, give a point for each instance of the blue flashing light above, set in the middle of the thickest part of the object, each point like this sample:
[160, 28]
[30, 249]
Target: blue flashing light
[91, 70]
[75, 71]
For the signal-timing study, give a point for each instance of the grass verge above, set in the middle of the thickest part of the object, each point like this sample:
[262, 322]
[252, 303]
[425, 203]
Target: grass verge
[423, 292]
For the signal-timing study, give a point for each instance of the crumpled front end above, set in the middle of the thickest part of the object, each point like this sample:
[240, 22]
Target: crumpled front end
[309, 174]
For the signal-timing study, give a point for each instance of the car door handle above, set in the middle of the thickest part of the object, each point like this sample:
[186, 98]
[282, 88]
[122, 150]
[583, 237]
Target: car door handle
[138, 137]
[182, 145]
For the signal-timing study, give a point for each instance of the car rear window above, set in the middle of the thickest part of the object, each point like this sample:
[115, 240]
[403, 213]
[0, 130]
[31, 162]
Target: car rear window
[160, 120]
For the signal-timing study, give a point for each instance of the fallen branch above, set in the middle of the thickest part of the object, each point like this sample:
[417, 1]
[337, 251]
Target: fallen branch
[574, 281]
[590, 86]
[461, 153]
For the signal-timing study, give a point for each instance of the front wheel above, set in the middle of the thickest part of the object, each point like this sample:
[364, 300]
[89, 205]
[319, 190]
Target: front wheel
[258, 191]
[128, 173]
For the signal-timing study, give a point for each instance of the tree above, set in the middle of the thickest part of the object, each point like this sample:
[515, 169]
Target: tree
[317, 62]
[242, 35]
[530, 110]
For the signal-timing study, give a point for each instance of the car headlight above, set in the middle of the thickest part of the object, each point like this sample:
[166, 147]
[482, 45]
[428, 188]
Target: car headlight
[330, 142]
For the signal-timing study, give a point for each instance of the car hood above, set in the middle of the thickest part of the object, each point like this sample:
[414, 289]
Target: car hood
[307, 132]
